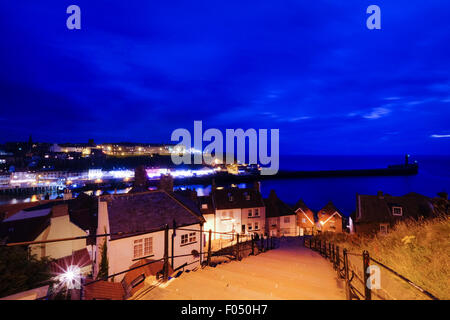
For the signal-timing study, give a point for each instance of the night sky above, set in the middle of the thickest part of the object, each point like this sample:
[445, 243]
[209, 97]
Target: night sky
[137, 70]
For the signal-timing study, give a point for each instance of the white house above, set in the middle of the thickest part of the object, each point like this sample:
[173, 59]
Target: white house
[281, 219]
[234, 210]
[55, 220]
[136, 224]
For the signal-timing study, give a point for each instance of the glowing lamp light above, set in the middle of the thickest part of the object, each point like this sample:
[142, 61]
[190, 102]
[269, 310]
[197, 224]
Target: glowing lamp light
[322, 223]
[70, 278]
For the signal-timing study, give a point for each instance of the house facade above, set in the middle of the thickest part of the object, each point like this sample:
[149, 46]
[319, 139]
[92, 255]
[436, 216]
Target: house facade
[237, 210]
[136, 224]
[281, 220]
[305, 218]
[329, 219]
[379, 213]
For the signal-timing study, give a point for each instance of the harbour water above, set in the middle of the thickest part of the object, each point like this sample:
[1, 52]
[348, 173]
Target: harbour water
[433, 177]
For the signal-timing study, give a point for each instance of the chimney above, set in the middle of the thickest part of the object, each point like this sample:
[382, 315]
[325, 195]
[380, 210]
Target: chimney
[140, 178]
[67, 194]
[257, 186]
[380, 195]
[166, 183]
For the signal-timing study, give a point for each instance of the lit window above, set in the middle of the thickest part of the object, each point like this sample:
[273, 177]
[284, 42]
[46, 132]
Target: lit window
[138, 248]
[204, 206]
[303, 220]
[250, 213]
[256, 212]
[397, 211]
[287, 219]
[192, 237]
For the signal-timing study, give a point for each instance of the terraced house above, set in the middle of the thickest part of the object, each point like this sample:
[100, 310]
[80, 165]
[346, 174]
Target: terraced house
[281, 219]
[237, 210]
[136, 223]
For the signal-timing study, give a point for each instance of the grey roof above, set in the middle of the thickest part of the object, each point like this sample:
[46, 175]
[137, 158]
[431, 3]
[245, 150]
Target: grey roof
[275, 207]
[27, 214]
[234, 198]
[378, 208]
[148, 212]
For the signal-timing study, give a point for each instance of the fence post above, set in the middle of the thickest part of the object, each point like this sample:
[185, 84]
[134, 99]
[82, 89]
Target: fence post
[325, 247]
[208, 261]
[333, 256]
[267, 243]
[338, 261]
[346, 275]
[237, 246]
[166, 253]
[329, 250]
[253, 245]
[262, 243]
[366, 263]
[271, 242]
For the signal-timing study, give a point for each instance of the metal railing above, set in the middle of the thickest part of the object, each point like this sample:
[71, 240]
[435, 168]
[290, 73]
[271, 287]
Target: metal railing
[332, 252]
[244, 242]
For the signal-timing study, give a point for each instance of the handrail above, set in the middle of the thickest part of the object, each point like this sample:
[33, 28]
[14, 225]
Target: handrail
[406, 279]
[343, 272]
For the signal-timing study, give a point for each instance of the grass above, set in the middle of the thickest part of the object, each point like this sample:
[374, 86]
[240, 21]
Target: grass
[418, 250]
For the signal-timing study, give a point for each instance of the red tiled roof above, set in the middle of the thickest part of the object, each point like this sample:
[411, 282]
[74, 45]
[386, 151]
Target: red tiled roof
[104, 290]
[80, 258]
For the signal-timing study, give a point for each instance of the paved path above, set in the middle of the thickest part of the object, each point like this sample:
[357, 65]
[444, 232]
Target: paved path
[289, 272]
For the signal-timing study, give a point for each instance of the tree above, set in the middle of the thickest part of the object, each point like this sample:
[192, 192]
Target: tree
[19, 272]
[104, 265]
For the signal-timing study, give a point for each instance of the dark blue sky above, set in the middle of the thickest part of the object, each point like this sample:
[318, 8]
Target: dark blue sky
[137, 70]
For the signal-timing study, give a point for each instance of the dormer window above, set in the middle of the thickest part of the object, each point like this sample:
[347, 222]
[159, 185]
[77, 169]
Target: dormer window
[230, 197]
[397, 211]
[247, 196]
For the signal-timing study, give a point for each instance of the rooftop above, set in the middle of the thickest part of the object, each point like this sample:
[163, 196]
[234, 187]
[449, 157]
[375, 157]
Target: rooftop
[149, 211]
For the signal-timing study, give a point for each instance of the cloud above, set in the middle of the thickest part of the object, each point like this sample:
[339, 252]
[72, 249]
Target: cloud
[377, 113]
[440, 136]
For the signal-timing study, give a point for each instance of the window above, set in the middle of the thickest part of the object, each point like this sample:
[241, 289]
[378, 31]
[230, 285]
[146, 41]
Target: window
[250, 213]
[256, 212]
[204, 206]
[148, 246]
[287, 219]
[188, 238]
[138, 248]
[137, 281]
[384, 228]
[303, 220]
[143, 247]
[256, 226]
[397, 211]
[247, 196]
[249, 226]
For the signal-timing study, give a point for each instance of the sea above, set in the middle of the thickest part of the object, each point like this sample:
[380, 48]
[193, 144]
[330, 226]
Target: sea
[433, 177]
